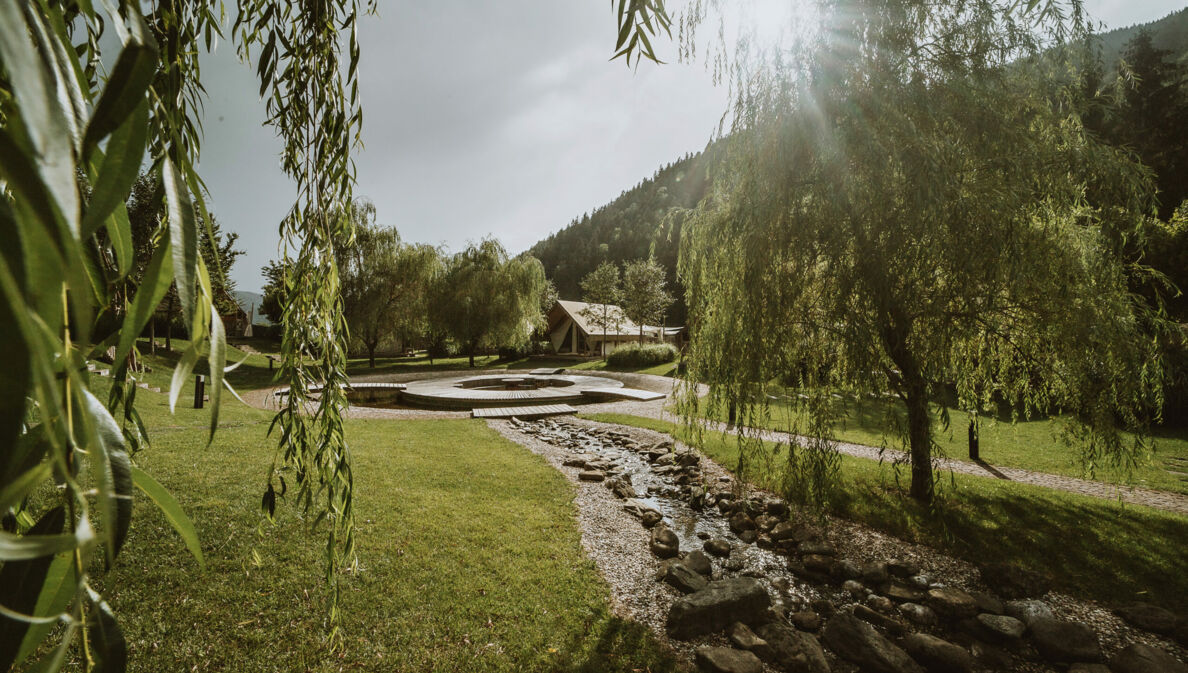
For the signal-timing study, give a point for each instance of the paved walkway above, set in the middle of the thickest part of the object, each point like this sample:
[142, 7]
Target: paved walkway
[1165, 500]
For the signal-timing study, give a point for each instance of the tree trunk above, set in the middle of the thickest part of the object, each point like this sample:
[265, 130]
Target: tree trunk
[153, 335]
[641, 335]
[371, 355]
[913, 390]
[472, 355]
[920, 439]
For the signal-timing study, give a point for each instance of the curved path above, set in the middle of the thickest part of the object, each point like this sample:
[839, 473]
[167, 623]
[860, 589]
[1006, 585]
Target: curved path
[1164, 500]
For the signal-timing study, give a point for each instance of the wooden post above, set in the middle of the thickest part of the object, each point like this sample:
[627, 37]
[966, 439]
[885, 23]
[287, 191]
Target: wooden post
[199, 390]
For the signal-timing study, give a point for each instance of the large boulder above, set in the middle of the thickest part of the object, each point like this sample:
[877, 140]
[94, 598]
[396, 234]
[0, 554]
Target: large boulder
[1065, 642]
[1012, 581]
[952, 602]
[1027, 611]
[745, 639]
[621, 486]
[683, 578]
[938, 655]
[699, 563]
[793, 651]
[727, 660]
[1146, 616]
[719, 604]
[740, 522]
[1001, 628]
[664, 543]
[718, 547]
[1142, 658]
[856, 641]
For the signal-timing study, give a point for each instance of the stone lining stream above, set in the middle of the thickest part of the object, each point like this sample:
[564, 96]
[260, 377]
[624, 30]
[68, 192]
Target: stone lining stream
[752, 589]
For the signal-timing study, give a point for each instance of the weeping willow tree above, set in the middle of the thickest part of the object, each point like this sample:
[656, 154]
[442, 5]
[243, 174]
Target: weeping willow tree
[912, 207]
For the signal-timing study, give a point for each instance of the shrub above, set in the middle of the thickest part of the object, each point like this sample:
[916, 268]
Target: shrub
[635, 355]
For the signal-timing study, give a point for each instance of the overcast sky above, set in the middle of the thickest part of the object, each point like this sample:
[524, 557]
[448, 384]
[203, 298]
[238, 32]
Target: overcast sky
[483, 119]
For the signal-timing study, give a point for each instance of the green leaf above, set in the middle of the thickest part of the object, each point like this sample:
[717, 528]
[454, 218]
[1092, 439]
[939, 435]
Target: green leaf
[23, 485]
[126, 86]
[110, 468]
[57, 589]
[114, 171]
[181, 372]
[17, 373]
[108, 646]
[218, 361]
[171, 509]
[153, 286]
[20, 548]
[33, 83]
[20, 586]
[183, 238]
[119, 232]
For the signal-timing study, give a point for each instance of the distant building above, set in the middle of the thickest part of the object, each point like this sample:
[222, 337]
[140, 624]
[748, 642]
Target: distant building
[573, 332]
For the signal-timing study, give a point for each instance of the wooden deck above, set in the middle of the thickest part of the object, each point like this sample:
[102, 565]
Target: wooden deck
[354, 386]
[523, 412]
[628, 393]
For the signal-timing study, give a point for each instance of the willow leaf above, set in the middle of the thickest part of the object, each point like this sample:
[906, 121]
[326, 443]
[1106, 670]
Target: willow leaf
[114, 171]
[57, 589]
[110, 469]
[153, 286]
[218, 362]
[173, 511]
[181, 372]
[129, 80]
[20, 587]
[183, 235]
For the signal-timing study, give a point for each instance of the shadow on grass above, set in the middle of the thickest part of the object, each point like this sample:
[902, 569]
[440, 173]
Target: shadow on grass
[1103, 550]
[615, 644]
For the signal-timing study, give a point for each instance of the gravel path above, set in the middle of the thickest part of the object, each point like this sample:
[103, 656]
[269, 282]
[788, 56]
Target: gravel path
[1165, 500]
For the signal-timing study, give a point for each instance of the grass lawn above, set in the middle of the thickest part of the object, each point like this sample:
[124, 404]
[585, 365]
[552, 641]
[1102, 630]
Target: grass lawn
[1028, 444]
[470, 559]
[1093, 548]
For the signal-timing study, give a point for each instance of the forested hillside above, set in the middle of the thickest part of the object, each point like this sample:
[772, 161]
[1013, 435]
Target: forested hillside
[639, 222]
[631, 227]
[1170, 33]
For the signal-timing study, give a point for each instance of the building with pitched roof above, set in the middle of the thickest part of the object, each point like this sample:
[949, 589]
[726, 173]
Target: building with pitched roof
[575, 328]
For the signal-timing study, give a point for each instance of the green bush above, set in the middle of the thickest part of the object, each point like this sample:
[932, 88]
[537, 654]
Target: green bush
[635, 355]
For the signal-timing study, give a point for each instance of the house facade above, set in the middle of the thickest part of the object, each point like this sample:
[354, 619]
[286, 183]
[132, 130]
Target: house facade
[575, 329]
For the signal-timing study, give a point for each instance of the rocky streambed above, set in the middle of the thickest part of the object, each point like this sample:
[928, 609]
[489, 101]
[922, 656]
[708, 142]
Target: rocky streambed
[733, 580]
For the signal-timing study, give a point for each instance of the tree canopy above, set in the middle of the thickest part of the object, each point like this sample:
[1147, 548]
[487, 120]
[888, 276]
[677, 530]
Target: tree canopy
[385, 282]
[602, 288]
[644, 298]
[484, 299]
[906, 211]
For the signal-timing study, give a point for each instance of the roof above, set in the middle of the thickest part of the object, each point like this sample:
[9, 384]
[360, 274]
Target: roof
[574, 311]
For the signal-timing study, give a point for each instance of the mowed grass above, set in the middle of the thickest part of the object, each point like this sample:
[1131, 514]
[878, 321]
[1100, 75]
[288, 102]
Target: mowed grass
[1094, 548]
[1033, 444]
[469, 559]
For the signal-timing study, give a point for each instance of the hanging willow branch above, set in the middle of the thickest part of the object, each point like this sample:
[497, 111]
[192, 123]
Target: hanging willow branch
[313, 104]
